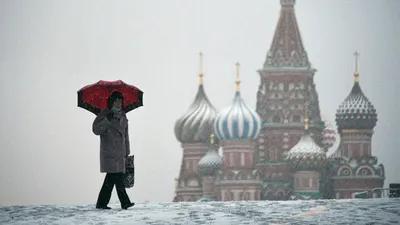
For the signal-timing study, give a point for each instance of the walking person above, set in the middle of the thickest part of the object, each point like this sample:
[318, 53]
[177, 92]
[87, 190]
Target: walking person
[111, 124]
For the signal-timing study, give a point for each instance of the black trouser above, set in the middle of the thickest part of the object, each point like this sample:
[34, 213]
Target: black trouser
[110, 180]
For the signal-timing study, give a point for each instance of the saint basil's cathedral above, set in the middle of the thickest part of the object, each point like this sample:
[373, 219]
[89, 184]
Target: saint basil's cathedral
[279, 150]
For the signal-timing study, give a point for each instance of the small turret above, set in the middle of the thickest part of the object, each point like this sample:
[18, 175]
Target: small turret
[356, 111]
[306, 154]
[211, 161]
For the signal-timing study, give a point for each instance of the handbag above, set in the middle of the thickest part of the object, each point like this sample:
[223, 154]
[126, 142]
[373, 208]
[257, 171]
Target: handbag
[129, 176]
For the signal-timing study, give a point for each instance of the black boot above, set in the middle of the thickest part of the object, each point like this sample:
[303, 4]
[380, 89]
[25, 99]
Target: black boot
[128, 206]
[102, 207]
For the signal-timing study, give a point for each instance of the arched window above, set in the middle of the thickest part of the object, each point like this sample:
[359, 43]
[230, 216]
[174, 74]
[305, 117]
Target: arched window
[231, 159]
[227, 196]
[350, 150]
[305, 183]
[280, 195]
[194, 165]
[246, 196]
[344, 172]
[361, 149]
[276, 119]
[296, 119]
[187, 164]
[273, 153]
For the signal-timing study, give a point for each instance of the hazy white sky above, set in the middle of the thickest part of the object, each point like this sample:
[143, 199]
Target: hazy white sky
[49, 49]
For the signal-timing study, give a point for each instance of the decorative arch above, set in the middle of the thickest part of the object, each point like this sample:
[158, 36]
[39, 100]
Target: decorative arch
[228, 175]
[280, 194]
[245, 195]
[266, 194]
[226, 195]
[279, 55]
[240, 175]
[248, 176]
[276, 118]
[192, 182]
[296, 118]
[344, 171]
[365, 171]
[230, 195]
[257, 174]
[182, 183]
[273, 153]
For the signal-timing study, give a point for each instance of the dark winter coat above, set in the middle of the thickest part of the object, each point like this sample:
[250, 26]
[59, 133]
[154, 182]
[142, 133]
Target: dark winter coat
[114, 142]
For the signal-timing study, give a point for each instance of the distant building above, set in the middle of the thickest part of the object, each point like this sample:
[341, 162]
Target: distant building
[278, 151]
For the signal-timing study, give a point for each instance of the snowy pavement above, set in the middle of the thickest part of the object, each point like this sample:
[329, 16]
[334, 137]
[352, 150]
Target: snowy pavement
[368, 211]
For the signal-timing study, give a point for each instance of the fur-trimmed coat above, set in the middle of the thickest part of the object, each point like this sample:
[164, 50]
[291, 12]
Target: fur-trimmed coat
[114, 142]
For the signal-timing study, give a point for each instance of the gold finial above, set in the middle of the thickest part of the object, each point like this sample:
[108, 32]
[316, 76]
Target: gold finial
[356, 74]
[306, 124]
[306, 117]
[201, 74]
[237, 76]
[212, 138]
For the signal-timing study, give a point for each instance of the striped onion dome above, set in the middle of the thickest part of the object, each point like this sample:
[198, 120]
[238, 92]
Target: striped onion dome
[328, 136]
[211, 161]
[196, 125]
[237, 122]
[356, 111]
[306, 154]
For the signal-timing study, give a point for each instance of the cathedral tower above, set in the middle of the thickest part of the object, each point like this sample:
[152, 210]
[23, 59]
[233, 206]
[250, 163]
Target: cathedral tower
[193, 130]
[286, 84]
[356, 118]
[237, 127]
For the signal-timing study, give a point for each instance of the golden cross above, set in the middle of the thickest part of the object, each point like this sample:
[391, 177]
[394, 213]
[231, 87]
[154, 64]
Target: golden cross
[356, 74]
[237, 76]
[201, 68]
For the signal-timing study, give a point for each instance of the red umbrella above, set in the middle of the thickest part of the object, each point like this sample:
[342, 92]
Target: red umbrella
[94, 97]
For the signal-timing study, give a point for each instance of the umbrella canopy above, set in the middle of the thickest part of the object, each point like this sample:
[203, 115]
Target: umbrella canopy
[94, 97]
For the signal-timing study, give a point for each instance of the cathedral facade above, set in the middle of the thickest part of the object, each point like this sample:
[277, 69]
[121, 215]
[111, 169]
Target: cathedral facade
[279, 150]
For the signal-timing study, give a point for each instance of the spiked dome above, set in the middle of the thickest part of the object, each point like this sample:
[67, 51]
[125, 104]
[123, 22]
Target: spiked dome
[356, 111]
[306, 154]
[196, 125]
[237, 122]
[211, 161]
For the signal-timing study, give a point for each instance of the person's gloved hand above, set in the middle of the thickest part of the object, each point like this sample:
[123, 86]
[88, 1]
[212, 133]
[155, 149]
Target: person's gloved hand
[110, 115]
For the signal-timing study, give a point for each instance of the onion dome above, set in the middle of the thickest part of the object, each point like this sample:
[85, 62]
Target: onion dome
[328, 136]
[306, 154]
[237, 122]
[356, 111]
[211, 161]
[196, 125]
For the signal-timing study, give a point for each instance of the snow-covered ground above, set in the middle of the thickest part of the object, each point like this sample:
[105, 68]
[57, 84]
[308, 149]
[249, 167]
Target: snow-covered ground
[369, 211]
